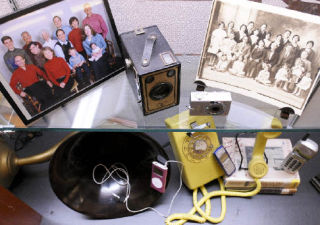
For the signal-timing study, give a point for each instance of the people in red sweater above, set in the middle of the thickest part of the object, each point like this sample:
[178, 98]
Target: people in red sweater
[75, 36]
[58, 72]
[25, 81]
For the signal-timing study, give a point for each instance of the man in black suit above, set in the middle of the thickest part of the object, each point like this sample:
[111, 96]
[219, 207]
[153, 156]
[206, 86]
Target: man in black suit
[285, 40]
[241, 33]
[271, 58]
[262, 32]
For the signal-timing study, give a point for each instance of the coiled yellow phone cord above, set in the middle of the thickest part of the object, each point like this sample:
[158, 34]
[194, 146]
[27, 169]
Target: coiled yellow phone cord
[205, 216]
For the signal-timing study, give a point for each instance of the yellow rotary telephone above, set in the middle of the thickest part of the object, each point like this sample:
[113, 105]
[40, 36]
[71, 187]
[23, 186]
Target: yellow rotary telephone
[195, 151]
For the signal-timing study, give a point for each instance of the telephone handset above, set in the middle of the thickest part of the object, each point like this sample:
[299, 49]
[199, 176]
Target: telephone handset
[258, 168]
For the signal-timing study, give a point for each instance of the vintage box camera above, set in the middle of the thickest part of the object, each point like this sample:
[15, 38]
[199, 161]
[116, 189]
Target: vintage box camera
[204, 103]
[152, 69]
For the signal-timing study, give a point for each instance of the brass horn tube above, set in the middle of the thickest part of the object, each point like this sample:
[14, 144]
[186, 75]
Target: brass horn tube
[41, 157]
[10, 163]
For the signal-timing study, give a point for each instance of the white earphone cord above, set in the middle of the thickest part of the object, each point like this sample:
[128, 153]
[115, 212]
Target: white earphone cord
[125, 181]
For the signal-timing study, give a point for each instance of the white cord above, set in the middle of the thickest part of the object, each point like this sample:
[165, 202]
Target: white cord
[109, 174]
[180, 185]
[125, 181]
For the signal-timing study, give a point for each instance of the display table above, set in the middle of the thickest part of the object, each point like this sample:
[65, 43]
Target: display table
[33, 187]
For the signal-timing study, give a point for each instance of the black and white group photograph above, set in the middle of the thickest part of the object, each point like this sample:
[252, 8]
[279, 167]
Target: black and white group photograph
[56, 52]
[263, 52]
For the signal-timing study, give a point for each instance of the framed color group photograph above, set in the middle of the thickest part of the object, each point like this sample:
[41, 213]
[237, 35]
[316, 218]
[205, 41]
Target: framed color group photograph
[262, 51]
[54, 51]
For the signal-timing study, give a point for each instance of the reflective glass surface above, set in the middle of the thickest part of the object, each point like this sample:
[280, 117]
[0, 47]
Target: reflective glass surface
[114, 106]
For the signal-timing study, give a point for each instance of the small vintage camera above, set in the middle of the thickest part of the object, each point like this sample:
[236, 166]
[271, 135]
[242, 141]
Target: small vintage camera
[152, 69]
[204, 103]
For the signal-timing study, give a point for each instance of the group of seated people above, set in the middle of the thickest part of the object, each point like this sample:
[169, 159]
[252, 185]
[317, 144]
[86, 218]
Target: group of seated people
[273, 60]
[46, 71]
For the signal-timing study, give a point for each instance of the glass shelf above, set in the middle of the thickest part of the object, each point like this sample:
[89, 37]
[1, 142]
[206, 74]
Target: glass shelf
[113, 106]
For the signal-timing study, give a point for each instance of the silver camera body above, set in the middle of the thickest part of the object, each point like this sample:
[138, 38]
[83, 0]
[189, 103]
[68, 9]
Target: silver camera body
[204, 103]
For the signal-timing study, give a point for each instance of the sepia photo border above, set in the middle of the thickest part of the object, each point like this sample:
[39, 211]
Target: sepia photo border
[7, 91]
[230, 82]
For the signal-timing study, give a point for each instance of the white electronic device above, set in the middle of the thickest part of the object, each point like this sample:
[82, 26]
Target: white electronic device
[303, 150]
[210, 103]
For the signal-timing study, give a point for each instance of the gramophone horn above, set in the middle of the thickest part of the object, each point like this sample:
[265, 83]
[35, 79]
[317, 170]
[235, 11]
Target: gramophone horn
[10, 163]
[72, 165]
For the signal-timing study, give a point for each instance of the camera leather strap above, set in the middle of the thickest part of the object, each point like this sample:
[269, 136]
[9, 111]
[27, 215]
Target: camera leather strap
[147, 52]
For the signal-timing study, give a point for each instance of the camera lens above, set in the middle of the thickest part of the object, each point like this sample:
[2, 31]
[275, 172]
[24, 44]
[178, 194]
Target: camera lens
[215, 108]
[171, 73]
[149, 79]
[160, 91]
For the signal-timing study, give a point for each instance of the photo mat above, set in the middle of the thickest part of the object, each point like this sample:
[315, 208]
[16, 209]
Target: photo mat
[84, 55]
[282, 71]
[306, 6]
